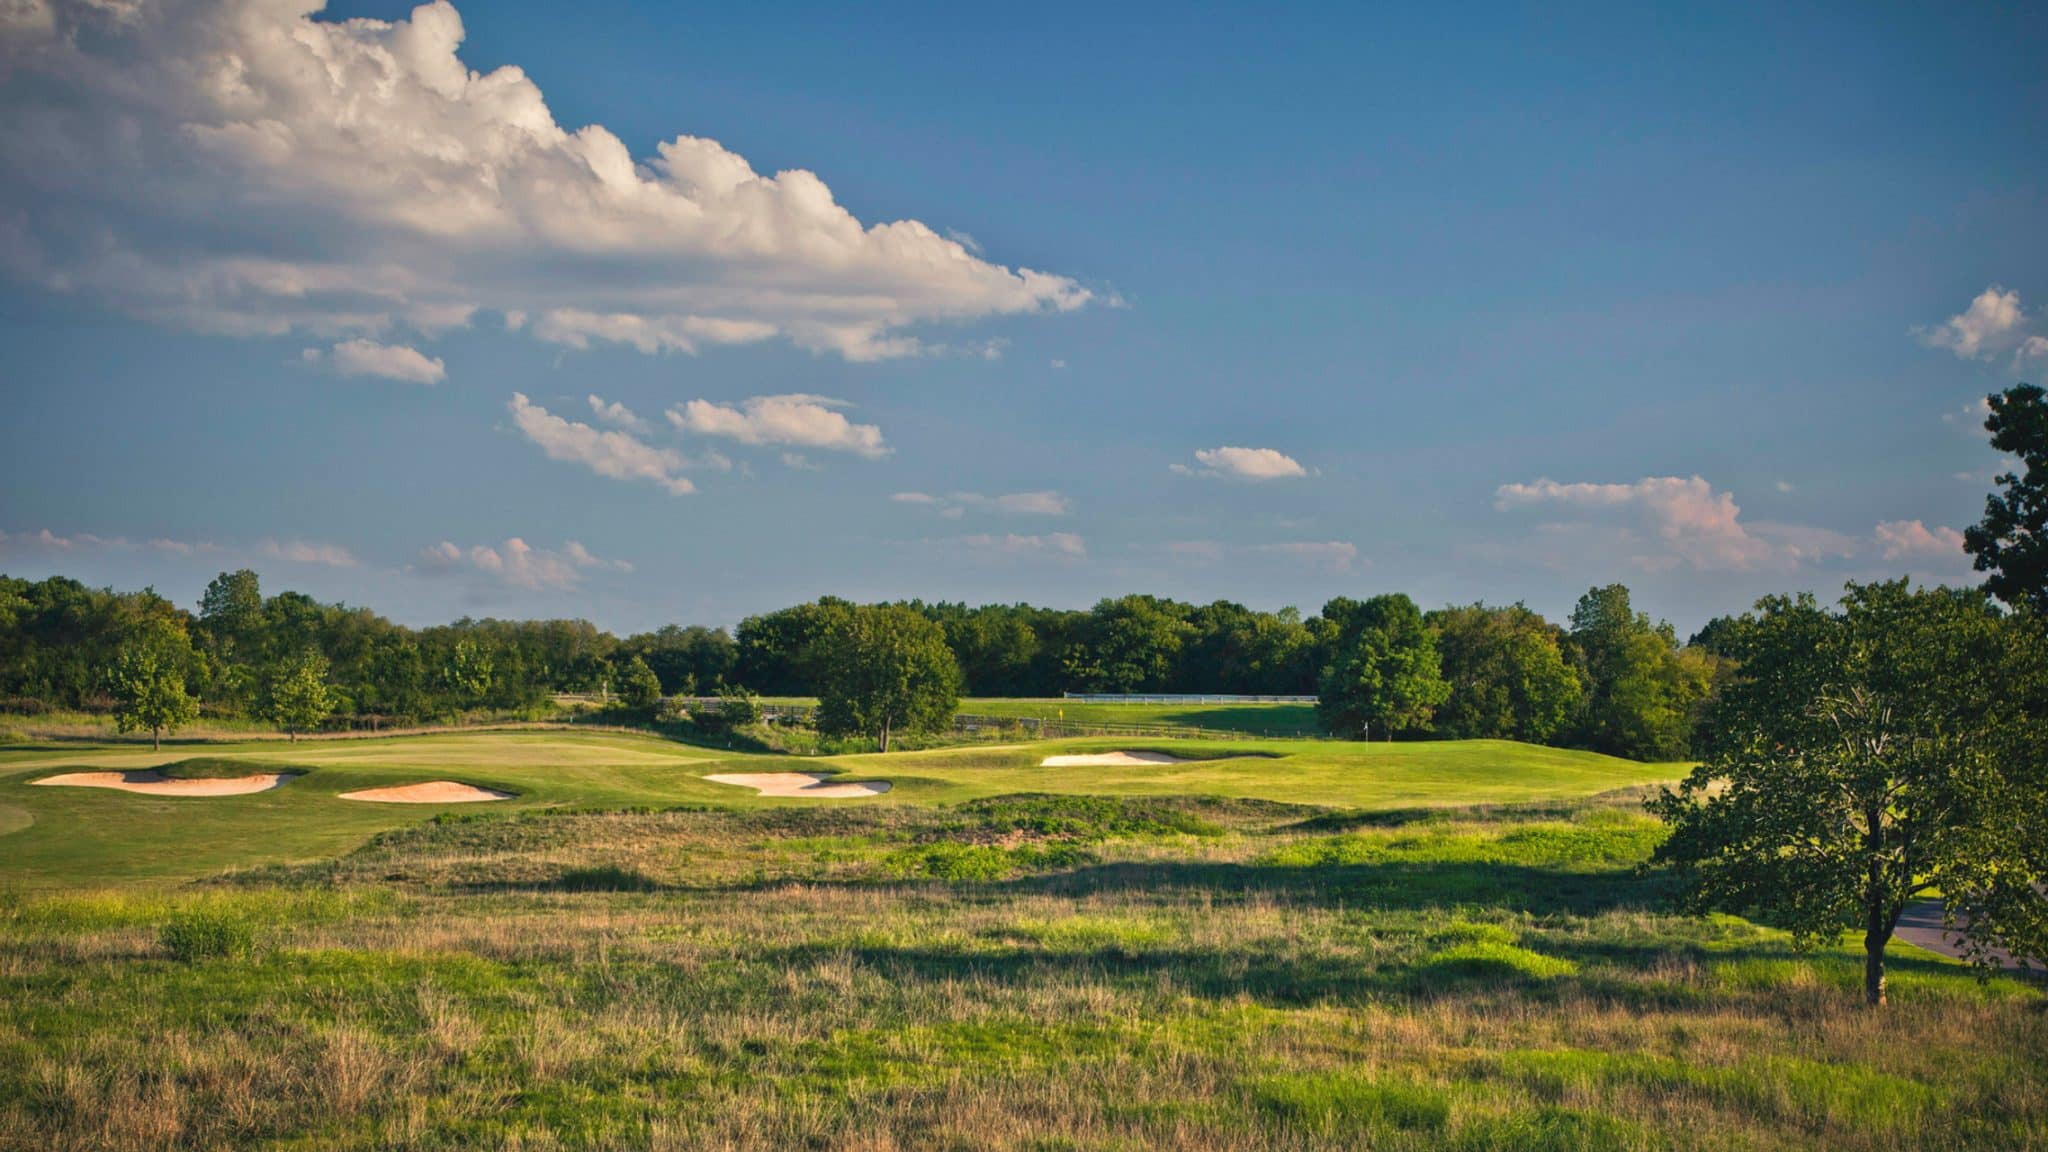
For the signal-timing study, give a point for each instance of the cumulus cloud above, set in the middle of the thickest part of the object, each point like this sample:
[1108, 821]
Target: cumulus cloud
[1243, 464]
[309, 552]
[613, 412]
[1686, 520]
[1059, 545]
[517, 564]
[795, 420]
[1914, 540]
[361, 357]
[619, 455]
[1993, 325]
[240, 166]
[954, 504]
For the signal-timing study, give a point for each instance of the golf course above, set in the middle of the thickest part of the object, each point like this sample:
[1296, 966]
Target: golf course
[1196, 944]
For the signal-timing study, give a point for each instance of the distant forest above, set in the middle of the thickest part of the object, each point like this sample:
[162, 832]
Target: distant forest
[1610, 680]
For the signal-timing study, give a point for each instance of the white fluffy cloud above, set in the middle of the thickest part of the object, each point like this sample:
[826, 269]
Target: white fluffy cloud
[613, 412]
[518, 564]
[242, 166]
[619, 455]
[1914, 540]
[795, 420]
[360, 357]
[955, 504]
[1244, 464]
[1683, 520]
[1994, 324]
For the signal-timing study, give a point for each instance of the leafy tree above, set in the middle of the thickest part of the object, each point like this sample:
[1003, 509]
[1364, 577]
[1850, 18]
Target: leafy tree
[231, 609]
[639, 687]
[395, 680]
[1642, 693]
[884, 670]
[148, 680]
[469, 673]
[1508, 674]
[777, 653]
[297, 696]
[1862, 758]
[2011, 542]
[1132, 644]
[1385, 676]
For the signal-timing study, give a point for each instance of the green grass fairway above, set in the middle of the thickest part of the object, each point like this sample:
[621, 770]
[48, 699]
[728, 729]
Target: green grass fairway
[1277, 947]
[95, 836]
[1256, 719]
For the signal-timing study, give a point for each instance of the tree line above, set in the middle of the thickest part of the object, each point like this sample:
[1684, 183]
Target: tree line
[1612, 680]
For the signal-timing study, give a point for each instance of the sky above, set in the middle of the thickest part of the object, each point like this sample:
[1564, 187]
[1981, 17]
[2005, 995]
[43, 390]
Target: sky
[666, 313]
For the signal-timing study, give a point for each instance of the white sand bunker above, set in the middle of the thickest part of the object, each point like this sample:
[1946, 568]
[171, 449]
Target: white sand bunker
[1109, 760]
[431, 792]
[153, 783]
[807, 785]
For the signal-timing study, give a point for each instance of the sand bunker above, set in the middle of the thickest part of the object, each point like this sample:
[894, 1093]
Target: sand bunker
[810, 785]
[153, 783]
[431, 792]
[1110, 760]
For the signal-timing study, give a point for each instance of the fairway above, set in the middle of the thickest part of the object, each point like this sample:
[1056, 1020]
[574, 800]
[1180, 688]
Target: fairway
[1252, 719]
[93, 836]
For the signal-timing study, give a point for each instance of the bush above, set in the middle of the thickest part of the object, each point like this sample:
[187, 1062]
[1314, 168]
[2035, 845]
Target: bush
[737, 707]
[193, 936]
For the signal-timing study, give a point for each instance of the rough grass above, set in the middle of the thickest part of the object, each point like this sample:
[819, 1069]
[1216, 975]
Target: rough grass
[1053, 972]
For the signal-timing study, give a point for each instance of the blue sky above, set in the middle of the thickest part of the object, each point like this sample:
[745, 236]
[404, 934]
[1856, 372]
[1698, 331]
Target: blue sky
[1495, 304]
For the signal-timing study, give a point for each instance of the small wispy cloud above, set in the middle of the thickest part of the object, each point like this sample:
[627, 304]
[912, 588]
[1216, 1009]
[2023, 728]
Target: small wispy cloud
[955, 504]
[517, 564]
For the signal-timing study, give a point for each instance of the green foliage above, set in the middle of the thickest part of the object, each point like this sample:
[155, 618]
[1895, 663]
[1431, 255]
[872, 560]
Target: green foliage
[296, 695]
[468, 672]
[148, 679]
[737, 707]
[1507, 672]
[2011, 542]
[206, 935]
[638, 685]
[1865, 757]
[1642, 692]
[885, 669]
[1385, 677]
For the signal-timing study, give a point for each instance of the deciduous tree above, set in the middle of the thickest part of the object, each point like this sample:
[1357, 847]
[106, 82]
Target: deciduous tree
[296, 696]
[1860, 759]
[148, 680]
[886, 670]
[2011, 542]
[1385, 676]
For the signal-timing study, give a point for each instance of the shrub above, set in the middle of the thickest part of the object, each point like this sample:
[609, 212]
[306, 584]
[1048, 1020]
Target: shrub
[191, 936]
[737, 707]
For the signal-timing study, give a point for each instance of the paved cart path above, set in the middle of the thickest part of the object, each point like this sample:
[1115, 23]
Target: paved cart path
[1921, 927]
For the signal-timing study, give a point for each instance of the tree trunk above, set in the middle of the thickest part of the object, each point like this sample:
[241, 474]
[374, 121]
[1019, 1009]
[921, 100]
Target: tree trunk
[293, 733]
[885, 735]
[1873, 964]
[156, 739]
